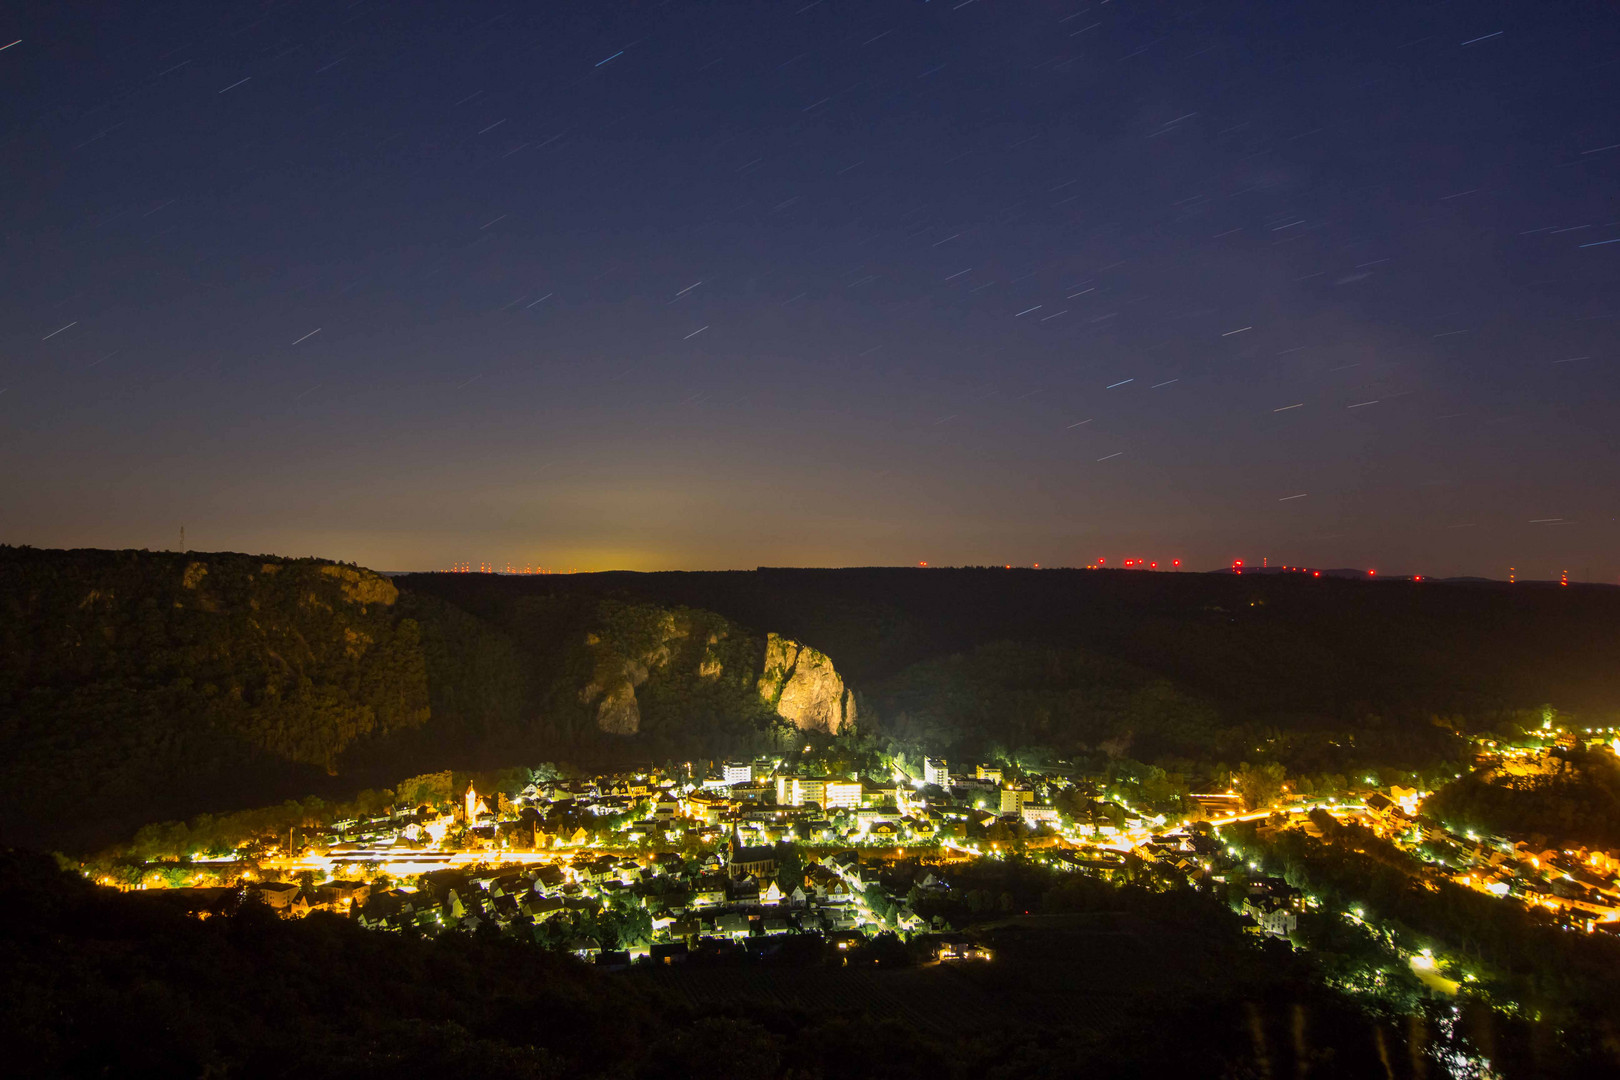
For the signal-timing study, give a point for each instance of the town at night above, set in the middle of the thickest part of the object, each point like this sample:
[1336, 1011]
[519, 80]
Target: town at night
[810, 540]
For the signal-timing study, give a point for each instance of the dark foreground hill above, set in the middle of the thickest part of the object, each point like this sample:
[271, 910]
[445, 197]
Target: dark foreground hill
[136, 686]
[102, 983]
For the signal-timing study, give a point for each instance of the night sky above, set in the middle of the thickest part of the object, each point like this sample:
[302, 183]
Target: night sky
[599, 285]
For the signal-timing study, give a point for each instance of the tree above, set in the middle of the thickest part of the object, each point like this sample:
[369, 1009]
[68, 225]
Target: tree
[789, 866]
[1259, 784]
[432, 789]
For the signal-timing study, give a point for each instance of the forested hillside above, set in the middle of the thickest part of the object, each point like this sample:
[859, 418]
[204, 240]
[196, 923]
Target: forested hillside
[136, 686]
[1273, 644]
[1325, 674]
[168, 682]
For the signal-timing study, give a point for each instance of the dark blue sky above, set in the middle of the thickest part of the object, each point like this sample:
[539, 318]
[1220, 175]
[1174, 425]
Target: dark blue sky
[711, 285]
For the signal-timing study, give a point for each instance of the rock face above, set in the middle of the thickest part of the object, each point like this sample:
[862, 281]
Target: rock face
[360, 586]
[801, 685]
[617, 676]
[642, 654]
[618, 713]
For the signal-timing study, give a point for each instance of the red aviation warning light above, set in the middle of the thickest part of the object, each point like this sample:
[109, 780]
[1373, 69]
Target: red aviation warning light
[1176, 563]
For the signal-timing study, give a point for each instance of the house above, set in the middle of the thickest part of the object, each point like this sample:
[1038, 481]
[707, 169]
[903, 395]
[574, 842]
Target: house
[674, 952]
[921, 825]
[539, 909]
[745, 892]
[731, 925]
[772, 895]
[1038, 814]
[584, 947]
[949, 947]
[277, 895]
[707, 806]
[614, 960]
[818, 880]
[345, 895]
[841, 917]
[844, 940]
[1272, 915]
[709, 892]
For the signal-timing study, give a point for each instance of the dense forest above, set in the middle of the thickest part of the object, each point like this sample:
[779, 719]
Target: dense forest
[136, 686]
